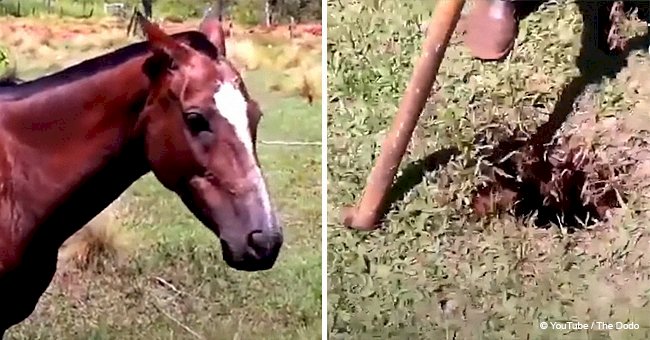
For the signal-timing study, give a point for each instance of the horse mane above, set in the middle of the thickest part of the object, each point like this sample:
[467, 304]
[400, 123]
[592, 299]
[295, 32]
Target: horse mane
[14, 88]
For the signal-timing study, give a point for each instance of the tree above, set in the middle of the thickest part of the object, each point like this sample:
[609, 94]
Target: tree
[269, 7]
[216, 10]
[148, 8]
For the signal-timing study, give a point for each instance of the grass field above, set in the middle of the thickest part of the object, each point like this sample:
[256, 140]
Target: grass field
[50, 43]
[437, 270]
[156, 273]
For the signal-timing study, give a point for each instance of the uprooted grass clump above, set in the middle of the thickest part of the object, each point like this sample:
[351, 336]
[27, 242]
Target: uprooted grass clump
[564, 182]
[563, 186]
[575, 180]
[570, 181]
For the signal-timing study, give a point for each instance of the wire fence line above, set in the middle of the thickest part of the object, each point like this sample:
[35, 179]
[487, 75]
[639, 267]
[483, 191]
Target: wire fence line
[289, 143]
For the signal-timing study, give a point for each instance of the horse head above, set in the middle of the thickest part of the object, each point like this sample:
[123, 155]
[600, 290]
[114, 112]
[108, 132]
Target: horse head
[200, 127]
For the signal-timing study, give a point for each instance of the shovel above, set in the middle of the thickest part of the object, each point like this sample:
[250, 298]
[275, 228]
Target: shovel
[365, 216]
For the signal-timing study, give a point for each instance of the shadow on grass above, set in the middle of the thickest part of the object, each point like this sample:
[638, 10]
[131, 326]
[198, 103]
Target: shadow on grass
[414, 172]
[593, 63]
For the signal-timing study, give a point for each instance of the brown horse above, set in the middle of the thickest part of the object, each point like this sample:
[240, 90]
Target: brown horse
[72, 142]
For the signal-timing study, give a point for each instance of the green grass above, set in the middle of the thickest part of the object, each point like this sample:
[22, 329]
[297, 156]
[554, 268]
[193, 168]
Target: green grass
[434, 270]
[124, 301]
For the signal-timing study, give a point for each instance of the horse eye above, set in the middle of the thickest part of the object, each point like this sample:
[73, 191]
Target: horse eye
[197, 123]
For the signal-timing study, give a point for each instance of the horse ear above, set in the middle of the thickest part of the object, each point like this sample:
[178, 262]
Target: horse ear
[213, 30]
[160, 41]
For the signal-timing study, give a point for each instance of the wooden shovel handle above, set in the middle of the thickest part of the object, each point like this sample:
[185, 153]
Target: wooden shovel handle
[367, 213]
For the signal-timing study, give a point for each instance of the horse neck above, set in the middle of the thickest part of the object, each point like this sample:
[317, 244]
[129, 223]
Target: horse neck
[73, 149]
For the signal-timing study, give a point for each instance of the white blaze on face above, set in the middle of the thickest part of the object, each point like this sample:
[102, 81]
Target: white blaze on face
[232, 106]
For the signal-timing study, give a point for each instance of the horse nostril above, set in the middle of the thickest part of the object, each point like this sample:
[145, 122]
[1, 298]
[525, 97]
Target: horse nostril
[260, 242]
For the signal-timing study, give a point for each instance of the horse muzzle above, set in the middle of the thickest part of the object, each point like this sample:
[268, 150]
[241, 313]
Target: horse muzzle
[259, 251]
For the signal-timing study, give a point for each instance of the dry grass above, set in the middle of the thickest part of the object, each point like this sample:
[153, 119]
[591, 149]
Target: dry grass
[295, 64]
[47, 44]
[51, 43]
[103, 241]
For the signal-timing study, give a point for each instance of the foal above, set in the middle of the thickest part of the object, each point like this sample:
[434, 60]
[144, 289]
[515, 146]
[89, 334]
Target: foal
[72, 142]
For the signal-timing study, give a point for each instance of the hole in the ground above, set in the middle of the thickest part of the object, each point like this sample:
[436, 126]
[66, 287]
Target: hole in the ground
[559, 185]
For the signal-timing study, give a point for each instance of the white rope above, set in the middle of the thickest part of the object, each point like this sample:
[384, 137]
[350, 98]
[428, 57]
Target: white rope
[289, 143]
